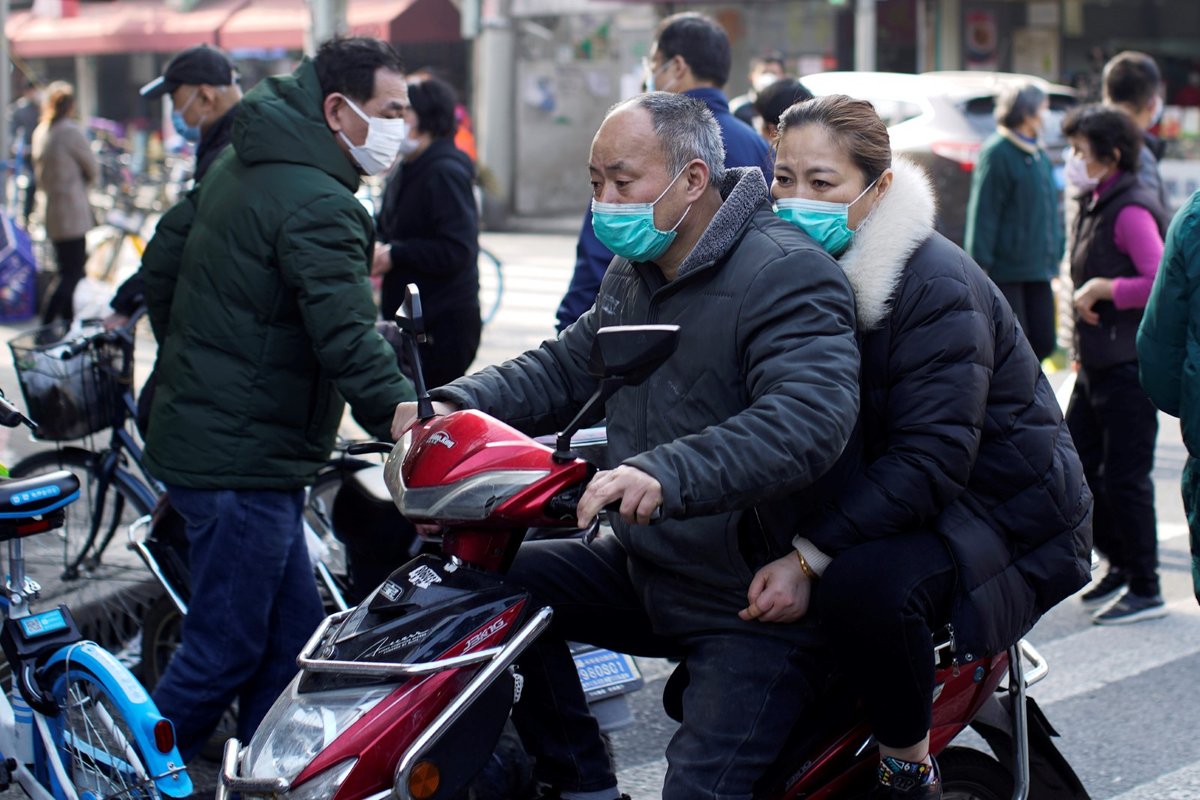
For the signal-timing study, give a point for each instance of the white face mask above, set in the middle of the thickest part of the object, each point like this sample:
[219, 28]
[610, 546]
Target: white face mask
[384, 137]
[1076, 172]
[764, 79]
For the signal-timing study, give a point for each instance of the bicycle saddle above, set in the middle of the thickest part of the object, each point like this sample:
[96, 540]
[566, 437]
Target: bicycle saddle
[23, 498]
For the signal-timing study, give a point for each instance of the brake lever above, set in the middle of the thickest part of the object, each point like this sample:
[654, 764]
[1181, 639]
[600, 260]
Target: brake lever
[11, 416]
[369, 448]
[614, 509]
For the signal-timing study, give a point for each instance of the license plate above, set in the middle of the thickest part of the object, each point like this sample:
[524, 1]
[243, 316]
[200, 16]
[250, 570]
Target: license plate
[603, 672]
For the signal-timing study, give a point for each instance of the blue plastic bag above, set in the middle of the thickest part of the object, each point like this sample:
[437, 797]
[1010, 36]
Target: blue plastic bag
[18, 273]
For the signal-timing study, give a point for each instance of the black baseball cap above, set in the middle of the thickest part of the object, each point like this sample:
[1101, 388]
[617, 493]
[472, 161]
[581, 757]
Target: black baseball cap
[196, 66]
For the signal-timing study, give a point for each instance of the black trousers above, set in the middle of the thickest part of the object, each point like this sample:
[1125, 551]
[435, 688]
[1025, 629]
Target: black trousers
[1114, 426]
[745, 694]
[879, 603]
[453, 342]
[1033, 305]
[71, 255]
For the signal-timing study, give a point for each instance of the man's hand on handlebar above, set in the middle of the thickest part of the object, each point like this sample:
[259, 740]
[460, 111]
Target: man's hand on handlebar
[114, 321]
[780, 592]
[406, 415]
[639, 494]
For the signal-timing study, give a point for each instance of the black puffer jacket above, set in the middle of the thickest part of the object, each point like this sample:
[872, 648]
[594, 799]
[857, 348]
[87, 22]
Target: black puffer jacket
[961, 432]
[757, 403]
[430, 220]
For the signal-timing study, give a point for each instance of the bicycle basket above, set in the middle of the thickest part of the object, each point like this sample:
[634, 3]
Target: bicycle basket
[69, 395]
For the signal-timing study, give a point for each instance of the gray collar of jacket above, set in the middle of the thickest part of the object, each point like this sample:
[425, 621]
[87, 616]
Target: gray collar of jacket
[743, 192]
[886, 239]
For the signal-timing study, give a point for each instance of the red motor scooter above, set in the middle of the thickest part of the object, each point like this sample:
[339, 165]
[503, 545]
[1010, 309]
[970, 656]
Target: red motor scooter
[406, 695]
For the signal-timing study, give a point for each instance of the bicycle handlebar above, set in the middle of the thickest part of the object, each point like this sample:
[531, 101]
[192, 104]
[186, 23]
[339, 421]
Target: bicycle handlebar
[122, 336]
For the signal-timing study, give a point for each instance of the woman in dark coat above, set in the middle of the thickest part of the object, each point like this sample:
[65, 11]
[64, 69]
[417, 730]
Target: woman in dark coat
[966, 505]
[429, 234]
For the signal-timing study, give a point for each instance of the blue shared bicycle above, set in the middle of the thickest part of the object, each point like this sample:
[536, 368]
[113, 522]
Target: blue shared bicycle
[76, 724]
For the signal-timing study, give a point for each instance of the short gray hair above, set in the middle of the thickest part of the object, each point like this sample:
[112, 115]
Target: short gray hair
[687, 130]
[1017, 103]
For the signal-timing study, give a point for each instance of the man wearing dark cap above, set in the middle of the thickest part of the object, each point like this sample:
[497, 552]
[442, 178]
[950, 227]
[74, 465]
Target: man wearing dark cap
[205, 95]
[202, 84]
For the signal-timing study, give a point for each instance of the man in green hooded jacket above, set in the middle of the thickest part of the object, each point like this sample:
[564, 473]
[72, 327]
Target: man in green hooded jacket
[1168, 346]
[258, 292]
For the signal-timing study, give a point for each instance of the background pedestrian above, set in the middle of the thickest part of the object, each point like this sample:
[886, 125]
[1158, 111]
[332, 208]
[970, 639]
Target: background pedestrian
[774, 100]
[1115, 252]
[1013, 227]
[64, 166]
[23, 119]
[428, 230]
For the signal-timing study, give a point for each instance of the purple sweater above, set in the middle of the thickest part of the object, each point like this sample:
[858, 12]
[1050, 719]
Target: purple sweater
[1135, 233]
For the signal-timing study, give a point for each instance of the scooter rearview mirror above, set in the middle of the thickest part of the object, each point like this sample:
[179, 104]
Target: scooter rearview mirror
[411, 322]
[409, 317]
[622, 355]
[633, 352]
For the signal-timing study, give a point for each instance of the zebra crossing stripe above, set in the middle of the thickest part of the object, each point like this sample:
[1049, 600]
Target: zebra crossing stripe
[1178, 785]
[1103, 654]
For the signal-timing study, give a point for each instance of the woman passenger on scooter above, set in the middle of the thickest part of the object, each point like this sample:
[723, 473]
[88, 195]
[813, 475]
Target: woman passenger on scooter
[967, 505]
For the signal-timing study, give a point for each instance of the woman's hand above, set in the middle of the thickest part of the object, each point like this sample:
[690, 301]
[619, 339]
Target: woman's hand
[1088, 295]
[780, 592]
[381, 261]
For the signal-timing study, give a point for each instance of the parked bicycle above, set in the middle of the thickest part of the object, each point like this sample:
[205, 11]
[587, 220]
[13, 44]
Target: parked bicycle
[76, 723]
[122, 229]
[491, 284]
[76, 387]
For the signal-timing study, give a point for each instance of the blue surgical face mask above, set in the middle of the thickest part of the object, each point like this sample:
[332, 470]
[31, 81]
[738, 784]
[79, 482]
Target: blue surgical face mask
[827, 223]
[652, 77]
[628, 230]
[189, 132]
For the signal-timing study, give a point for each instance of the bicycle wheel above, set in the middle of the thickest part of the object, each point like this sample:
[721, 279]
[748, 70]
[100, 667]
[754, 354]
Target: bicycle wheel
[161, 633]
[95, 740]
[105, 256]
[491, 284]
[74, 542]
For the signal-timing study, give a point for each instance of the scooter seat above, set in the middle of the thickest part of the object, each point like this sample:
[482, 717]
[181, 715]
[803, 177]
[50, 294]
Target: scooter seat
[369, 481]
[23, 498]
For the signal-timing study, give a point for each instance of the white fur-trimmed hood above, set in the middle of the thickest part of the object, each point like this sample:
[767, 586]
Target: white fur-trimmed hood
[886, 239]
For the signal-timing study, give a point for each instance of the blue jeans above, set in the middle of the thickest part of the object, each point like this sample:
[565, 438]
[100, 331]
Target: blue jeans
[254, 604]
[745, 694]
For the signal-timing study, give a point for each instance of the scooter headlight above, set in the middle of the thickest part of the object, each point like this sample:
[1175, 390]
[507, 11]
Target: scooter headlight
[468, 499]
[298, 727]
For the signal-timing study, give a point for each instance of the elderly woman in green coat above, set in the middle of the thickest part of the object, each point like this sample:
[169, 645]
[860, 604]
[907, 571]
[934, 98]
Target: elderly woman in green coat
[1014, 230]
[1168, 347]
